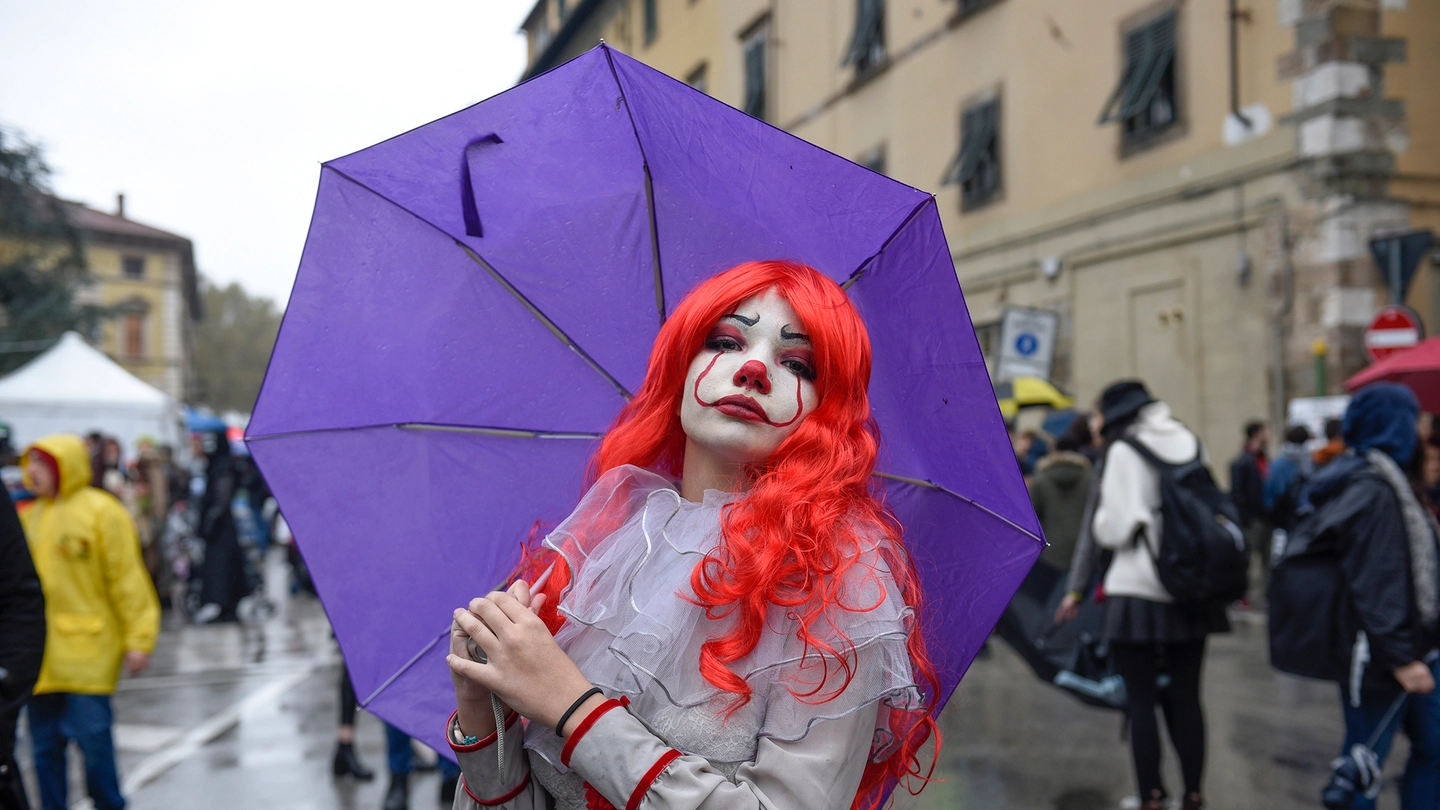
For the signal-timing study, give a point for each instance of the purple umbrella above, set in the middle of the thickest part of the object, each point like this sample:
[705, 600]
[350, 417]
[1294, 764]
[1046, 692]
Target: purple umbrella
[478, 296]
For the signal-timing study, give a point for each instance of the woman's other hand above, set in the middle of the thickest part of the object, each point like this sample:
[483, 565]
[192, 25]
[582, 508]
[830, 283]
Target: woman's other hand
[1069, 608]
[524, 665]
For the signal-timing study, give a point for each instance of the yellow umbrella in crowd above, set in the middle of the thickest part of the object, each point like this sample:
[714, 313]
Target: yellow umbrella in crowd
[1023, 392]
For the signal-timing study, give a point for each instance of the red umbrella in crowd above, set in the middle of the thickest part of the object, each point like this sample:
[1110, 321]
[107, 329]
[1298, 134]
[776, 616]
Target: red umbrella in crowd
[1416, 368]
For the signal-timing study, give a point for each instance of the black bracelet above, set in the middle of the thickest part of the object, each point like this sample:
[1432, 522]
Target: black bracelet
[594, 690]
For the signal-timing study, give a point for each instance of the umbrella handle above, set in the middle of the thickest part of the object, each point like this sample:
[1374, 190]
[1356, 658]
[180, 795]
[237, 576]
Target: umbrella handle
[542, 579]
[467, 189]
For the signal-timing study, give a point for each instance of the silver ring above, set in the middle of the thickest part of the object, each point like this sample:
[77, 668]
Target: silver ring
[476, 654]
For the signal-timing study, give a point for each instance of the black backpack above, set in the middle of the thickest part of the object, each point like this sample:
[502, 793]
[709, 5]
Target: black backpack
[1307, 590]
[1307, 594]
[1203, 558]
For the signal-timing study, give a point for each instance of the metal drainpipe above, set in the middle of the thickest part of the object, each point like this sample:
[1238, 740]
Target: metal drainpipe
[1279, 325]
[1236, 15]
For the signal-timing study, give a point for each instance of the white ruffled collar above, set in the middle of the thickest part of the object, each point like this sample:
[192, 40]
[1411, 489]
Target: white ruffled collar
[634, 630]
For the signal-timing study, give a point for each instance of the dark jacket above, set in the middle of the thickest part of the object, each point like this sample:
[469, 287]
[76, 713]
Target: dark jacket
[22, 612]
[1358, 523]
[1058, 491]
[1247, 487]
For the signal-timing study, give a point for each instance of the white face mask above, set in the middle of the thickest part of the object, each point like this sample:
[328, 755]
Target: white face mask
[752, 384]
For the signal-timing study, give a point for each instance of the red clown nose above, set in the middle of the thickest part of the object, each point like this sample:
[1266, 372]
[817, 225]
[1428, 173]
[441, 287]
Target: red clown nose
[753, 375]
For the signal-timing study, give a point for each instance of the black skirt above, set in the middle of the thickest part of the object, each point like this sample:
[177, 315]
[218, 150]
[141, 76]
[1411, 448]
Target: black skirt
[1132, 620]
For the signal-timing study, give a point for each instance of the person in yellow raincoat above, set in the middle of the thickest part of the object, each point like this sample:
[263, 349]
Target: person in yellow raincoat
[101, 611]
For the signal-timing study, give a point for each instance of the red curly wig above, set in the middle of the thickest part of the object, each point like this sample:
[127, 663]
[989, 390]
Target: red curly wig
[780, 546]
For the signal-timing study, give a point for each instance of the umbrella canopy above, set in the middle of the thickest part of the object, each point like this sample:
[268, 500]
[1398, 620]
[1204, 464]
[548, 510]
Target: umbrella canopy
[199, 422]
[1025, 392]
[478, 297]
[1417, 368]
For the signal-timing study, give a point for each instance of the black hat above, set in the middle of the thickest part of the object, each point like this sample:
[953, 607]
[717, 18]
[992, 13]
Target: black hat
[1122, 399]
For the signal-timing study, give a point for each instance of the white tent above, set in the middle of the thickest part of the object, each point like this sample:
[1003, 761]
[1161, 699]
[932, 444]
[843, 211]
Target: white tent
[74, 388]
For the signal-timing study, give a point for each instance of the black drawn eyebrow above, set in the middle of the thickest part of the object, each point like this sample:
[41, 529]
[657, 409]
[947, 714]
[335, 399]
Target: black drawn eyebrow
[786, 334]
[743, 319]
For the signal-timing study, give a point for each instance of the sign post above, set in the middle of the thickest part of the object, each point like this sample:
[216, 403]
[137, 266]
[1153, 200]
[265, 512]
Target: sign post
[1397, 257]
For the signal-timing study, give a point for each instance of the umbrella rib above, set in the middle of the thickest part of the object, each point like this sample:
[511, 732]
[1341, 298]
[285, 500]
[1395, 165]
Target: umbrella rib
[928, 484]
[860, 271]
[545, 320]
[510, 288]
[405, 668]
[512, 433]
[649, 193]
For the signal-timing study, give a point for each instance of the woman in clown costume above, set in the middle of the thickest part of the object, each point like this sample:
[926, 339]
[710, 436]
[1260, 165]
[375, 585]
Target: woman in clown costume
[729, 619]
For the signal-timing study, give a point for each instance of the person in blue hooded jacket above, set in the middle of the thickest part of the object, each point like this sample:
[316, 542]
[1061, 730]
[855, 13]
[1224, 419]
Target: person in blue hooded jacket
[1367, 506]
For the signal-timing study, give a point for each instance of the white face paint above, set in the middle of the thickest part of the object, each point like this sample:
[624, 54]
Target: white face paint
[752, 384]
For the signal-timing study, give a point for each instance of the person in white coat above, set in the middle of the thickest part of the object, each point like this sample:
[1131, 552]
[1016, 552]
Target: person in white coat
[1149, 634]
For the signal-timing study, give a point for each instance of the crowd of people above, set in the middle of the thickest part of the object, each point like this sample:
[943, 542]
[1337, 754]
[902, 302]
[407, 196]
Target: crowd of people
[93, 544]
[1343, 533]
[1342, 529]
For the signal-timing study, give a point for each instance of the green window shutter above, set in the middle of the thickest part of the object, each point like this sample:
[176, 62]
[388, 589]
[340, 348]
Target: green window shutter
[869, 35]
[1149, 52]
[1160, 41]
[1136, 65]
[978, 127]
[652, 21]
[755, 77]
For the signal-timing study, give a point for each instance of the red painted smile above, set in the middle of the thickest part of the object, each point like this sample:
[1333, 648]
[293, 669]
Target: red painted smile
[739, 406]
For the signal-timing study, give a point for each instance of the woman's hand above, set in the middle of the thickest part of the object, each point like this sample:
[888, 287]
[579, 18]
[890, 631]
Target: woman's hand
[524, 665]
[472, 699]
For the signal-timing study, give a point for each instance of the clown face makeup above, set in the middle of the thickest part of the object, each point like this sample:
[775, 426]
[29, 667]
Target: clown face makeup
[752, 384]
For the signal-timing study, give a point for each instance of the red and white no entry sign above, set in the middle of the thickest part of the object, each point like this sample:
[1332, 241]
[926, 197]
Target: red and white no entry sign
[1394, 329]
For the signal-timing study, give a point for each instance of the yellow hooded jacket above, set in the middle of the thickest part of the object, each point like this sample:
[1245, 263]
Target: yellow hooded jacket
[99, 601]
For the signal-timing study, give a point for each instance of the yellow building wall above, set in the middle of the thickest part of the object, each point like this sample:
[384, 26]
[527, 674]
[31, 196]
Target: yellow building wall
[155, 365]
[1142, 235]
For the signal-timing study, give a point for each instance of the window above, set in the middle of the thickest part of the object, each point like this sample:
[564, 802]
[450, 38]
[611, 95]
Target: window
[560, 9]
[132, 266]
[134, 337]
[755, 42]
[976, 167]
[874, 160]
[542, 34]
[1144, 102]
[697, 80]
[988, 336]
[652, 22]
[867, 44]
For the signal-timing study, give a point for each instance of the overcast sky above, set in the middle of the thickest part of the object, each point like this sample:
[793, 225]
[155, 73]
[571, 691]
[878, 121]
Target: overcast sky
[213, 117]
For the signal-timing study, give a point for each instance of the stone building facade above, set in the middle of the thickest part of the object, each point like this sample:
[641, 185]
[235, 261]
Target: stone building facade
[1190, 184]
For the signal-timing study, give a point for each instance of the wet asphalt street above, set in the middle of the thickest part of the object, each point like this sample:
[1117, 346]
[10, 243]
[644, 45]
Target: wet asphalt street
[244, 717]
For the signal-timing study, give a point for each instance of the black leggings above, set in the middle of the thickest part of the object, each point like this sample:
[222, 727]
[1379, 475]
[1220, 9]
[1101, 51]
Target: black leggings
[347, 698]
[1139, 664]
